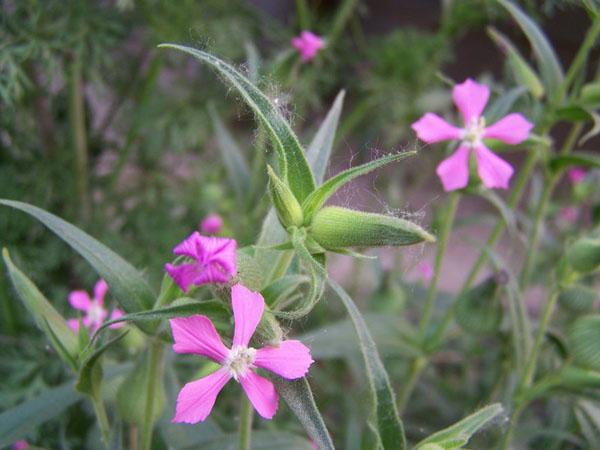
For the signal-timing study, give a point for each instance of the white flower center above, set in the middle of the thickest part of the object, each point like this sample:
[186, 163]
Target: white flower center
[96, 313]
[239, 360]
[473, 132]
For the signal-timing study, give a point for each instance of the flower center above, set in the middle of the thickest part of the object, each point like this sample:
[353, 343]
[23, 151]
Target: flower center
[239, 360]
[96, 313]
[473, 132]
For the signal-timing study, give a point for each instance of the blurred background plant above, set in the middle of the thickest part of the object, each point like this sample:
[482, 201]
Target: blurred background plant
[137, 146]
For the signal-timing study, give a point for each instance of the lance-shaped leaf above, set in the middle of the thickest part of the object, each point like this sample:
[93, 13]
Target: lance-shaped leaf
[126, 283]
[549, 65]
[317, 199]
[335, 228]
[293, 164]
[583, 159]
[459, 434]
[522, 71]
[386, 423]
[45, 316]
[319, 150]
[298, 396]
[238, 173]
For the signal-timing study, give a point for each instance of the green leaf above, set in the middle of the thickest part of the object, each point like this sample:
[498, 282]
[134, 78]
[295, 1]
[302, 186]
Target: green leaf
[583, 159]
[126, 284]
[182, 307]
[45, 316]
[299, 398]
[459, 434]
[319, 150]
[584, 339]
[17, 422]
[549, 65]
[387, 422]
[590, 96]
[278, 291]
[90, 374]
[293, 164]
[522, 71]
[317, 199]
[479, 310]
[238, 172]
[588, 418]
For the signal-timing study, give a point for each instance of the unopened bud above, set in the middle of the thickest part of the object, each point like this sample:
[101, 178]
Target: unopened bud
[336, 228]
[584, 254]
[287, 207]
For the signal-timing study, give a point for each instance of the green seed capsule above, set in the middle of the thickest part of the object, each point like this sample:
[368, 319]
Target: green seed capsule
[287, 207]
[584, 254]
[335, 228]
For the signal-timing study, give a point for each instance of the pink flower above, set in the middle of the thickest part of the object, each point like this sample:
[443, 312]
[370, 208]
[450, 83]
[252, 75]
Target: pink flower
[211, 224]
[308, 44]
[426, 271]
[576, 175]
[568, 214]
[21, 445]
[94, 310]
[197, 334]
[214, 261]
[470, 98]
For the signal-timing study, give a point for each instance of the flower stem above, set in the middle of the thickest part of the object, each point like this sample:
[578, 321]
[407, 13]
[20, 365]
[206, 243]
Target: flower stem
[155, 358]
[417, 365]
[246, 416]
[102, 418]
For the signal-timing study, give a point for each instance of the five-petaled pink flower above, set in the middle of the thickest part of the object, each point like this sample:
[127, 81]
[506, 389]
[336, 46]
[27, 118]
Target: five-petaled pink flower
[470, 98]
[95, 312]
[197, 334]
[576, 174]
[211, 224]
[214, 261]
[426, 271]
[308, 44]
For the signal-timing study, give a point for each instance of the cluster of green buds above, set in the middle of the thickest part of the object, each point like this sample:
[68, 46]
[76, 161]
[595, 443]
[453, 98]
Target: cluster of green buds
[333, 228]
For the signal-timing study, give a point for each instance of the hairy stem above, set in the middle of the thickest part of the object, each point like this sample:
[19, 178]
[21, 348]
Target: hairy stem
[155, 359]
[102, 418]
[246, 416]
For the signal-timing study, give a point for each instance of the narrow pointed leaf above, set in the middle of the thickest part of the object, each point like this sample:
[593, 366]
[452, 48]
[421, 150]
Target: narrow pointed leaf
[45, 316]
[126, 284]
[459, 434]
[319, 150]
[580, 158]
[549, 65]
[317, 199]
[238, 173]
[387, 421]
[298, 396]
[293, 164]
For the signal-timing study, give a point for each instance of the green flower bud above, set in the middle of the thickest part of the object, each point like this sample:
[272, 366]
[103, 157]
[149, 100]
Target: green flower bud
[584, 254]
[335, 228]
[578, 298]
[287, 207]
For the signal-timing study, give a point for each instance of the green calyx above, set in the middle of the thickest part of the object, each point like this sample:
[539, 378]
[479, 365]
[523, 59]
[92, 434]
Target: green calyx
[335, 228]
[584, 254]
[287, 207]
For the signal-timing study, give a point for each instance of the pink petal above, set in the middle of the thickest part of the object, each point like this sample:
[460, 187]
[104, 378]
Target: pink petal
[248, 307]
[73, 325]
[222, 252]
[80, 300]
[512, 129]
[261, 392]
[196, 399]
[493, 170]
[189, 246]
[212, 224]
[470, 98]
[184, 275]
[100, 291]
[20, 445]
[291, 359]
[197, 334]
[432, 128]
[576, 174]
[117, 314]
[454, 170]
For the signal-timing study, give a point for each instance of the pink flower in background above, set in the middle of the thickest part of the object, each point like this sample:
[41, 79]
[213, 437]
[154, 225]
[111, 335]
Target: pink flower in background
[576, 175]
[568, 214]
[470, 98]
[214, 261]
[426, 271]
[308, 44]
[211, 224]
[95, 312]
[197, 334]
[21, 445]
